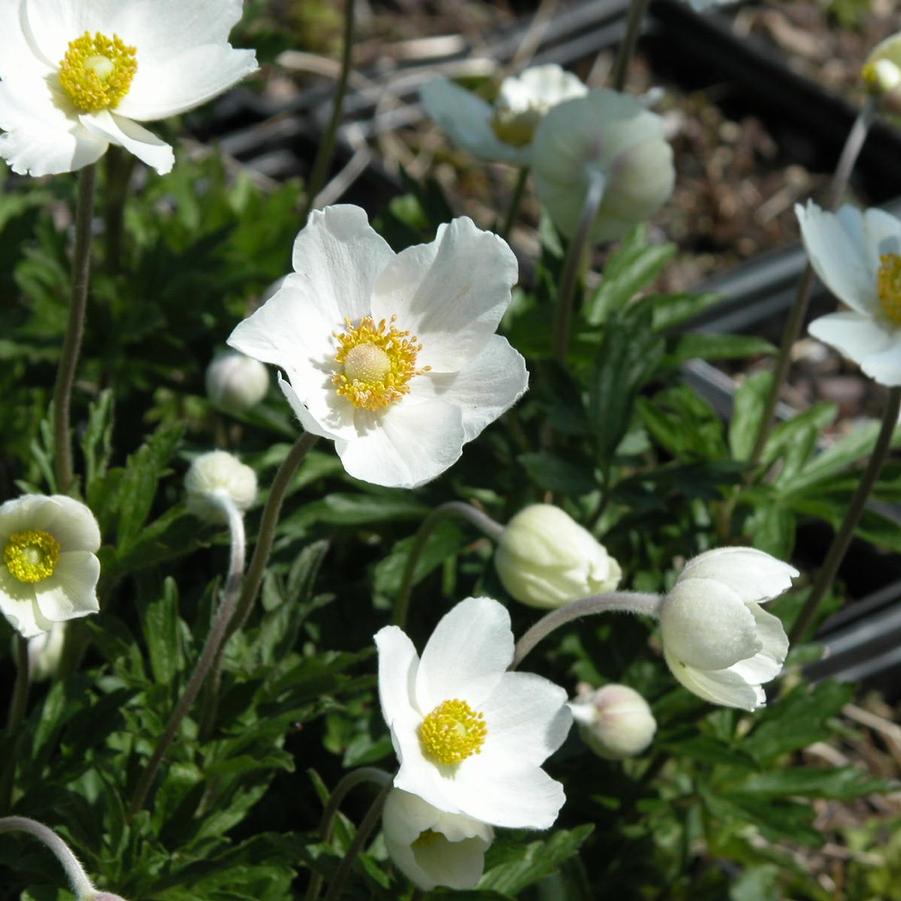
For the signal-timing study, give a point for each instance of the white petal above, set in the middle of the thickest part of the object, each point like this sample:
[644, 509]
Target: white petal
[458, 865]
[885, 367]
[31, 511]
[856, 336]
[883, 235]
[513, 798]
[40, 139]
[451, 293]
[484, 389]
[17, 56]
[704, 623]
[72, 590]
[409, 444]
[467, 120]
[327, 421]
[837, 247]
[398, 662]
[184, 82]
[73, 525]
[753, 575]
[341, 255]
[17, 605]
[718, 686]
[146, 146]
[467, 654]
[527, 718]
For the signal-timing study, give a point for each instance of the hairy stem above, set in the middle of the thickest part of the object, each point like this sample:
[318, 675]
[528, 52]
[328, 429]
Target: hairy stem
[637, 10]
[612, 602]
[208, 655]
[459, 509]
[68, 361]
[519, 190]
[845, 533]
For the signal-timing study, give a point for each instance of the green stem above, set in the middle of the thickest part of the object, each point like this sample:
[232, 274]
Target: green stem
[327, 147]
[119, 166]
[17, 707]
[845, 533]
[637, 10]
[68, 362]
[573, 264]
[370, 821]
[850, 152]
[641, 603]
[208, 655]
[519, 190]
[458, 509]
[327, 823]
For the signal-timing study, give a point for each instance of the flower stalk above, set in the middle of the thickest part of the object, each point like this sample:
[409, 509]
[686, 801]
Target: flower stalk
[211, 649]
[845, 533]
[637, 10]
[327, 146]
[17, 707]
[642, 603]
[458, 509]
[519, 190]
[68, 362]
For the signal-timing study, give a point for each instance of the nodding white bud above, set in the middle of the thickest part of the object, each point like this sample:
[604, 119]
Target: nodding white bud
[45, 651]
[614, 721]
[881, 72]
[546, 559]
[236, 382]
[213, 475]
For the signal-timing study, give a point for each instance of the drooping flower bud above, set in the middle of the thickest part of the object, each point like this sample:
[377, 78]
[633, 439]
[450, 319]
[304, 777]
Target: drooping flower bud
[717, 639]
[609, 137]
[546, 559]
[213, 475]
[614, 721]
[432, 847]
[881, 72]
[45, 651]
[236, 382]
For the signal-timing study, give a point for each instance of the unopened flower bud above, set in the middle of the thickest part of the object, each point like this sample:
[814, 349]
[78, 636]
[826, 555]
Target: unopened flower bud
[236, 382]
[546, 559]
[213, 475]
[45, 651]
[614, 721]
[881, 72]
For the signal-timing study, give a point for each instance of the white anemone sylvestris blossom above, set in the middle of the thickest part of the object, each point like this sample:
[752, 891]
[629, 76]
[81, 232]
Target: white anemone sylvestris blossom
[502, 131]
[49, 569]
[471, 736]
[605, 137]
[79, 75]
[394, 357]
[857, 255]
[717, 639]
[545, 559]
[432, 847]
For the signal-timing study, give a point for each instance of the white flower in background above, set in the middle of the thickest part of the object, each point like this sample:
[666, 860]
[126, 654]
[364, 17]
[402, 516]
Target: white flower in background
[432, 847]
[216, 475]
[45, 651]
[608, 137]
[717, 639]
[236, 382]
[614, 721]
[78, 76]
[394, 357]
[470, 736]
[882, 70]
[545, 559]
[858, 257]
[49, 570]
[505, 130]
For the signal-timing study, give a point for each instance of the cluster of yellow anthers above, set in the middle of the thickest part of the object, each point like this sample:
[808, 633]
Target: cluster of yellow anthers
[97, 71]
[31, 556]
[452, 732]
[889, 286]
[378, 361]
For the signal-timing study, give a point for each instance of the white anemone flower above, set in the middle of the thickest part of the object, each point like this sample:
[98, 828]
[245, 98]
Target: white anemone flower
[858, 257]
[49, 570]
[432, 847]
[604, 137]
[717, 639]
[79, 75]
[471, 736]
[502, 131]
[394, 357]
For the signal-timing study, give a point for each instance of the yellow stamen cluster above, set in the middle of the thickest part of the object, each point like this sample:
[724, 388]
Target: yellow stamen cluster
[452, 732]
[427, 839]
[377, 360]
[31, 556]
[888, 284]
[97, 71]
